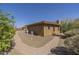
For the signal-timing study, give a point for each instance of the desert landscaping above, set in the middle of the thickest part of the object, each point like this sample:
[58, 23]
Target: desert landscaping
[39, 29]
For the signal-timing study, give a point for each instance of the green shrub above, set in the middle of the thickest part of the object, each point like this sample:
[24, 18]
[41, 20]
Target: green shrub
[7, 31]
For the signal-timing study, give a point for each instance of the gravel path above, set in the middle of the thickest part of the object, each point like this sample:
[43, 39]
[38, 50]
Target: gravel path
[24, 49]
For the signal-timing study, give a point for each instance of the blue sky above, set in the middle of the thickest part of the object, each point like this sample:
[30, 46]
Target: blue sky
[30, 13]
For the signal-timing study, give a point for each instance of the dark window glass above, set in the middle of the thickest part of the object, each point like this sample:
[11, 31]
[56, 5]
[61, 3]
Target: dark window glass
[48, 27]
[58, 28]
[53, 28]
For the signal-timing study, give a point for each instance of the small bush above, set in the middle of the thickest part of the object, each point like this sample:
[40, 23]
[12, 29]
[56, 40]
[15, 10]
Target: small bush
[73, 43]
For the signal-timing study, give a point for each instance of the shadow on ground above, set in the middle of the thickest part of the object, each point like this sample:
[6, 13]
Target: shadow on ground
[62, 51]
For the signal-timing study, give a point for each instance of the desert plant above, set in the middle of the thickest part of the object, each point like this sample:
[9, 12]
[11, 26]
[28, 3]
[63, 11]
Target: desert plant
[71, 32]
[72, 43]
[72, 40]
[75, 23]
[65, 26]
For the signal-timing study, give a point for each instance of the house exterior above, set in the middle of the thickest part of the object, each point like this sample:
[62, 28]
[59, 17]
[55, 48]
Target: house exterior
[24, 28]
[44, 28]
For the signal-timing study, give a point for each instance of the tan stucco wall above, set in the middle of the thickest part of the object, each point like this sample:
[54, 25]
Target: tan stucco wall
[43, 30]
[37, 29]
[49, 32]
[57, 30]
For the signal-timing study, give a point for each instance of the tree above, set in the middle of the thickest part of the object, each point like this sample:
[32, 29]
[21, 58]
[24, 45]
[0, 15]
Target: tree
[7, 31]
[66, 25]
[75, 23]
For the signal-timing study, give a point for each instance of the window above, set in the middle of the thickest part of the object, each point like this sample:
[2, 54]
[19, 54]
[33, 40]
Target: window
[53, 28]
[58, 28]
[48, 27]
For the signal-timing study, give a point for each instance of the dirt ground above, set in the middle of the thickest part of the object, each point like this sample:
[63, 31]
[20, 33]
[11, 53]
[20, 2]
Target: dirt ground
[34, 45]
[34, 41]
